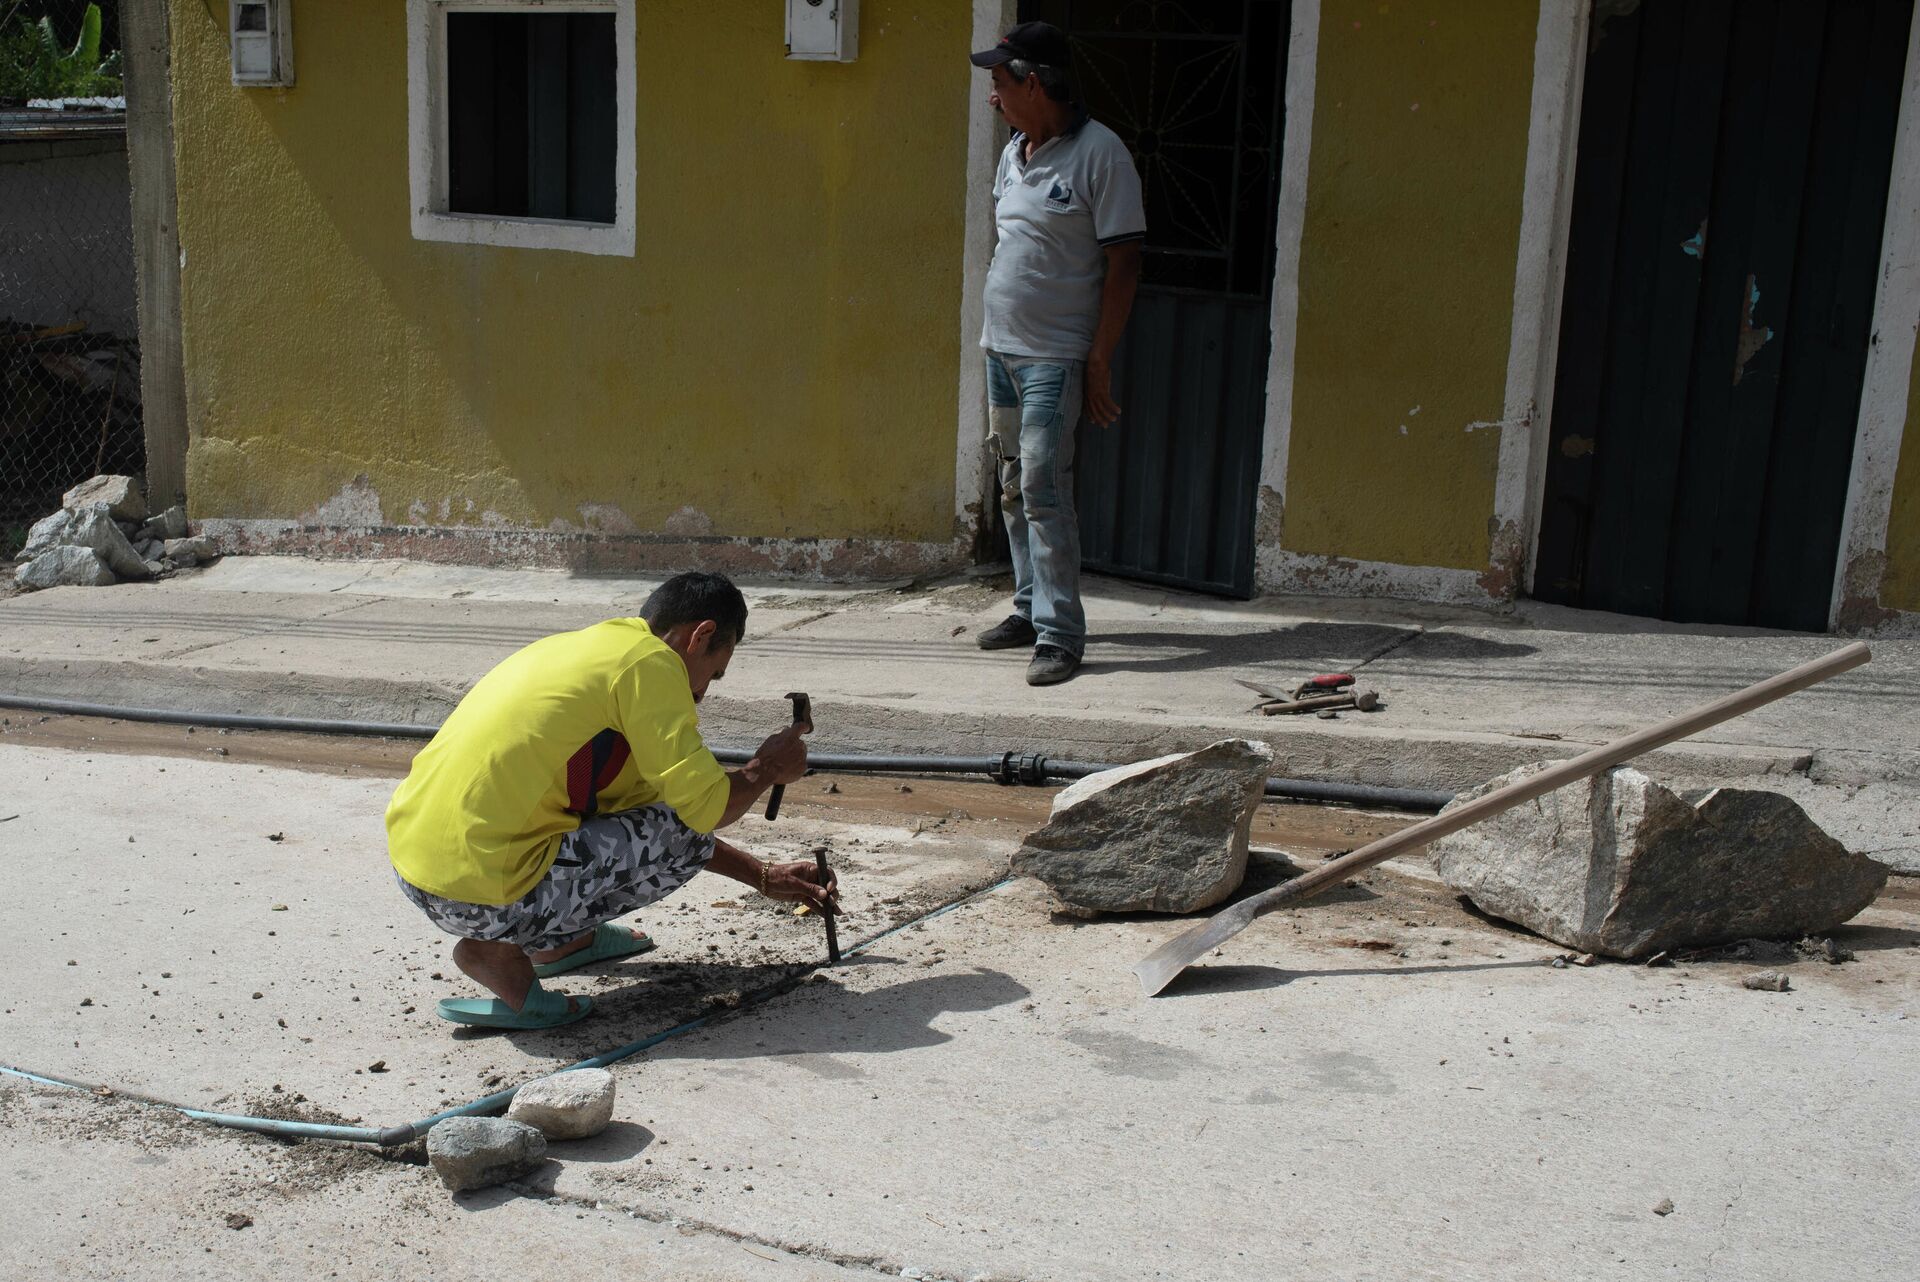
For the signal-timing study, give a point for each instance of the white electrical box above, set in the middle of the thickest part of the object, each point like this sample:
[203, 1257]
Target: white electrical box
[261, 33]
[823, 30]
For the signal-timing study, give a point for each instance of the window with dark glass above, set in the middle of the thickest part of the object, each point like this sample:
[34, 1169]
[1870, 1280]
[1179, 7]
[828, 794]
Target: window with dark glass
[531, 122]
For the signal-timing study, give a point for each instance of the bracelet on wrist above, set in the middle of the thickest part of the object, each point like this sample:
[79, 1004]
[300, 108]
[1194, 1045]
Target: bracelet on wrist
[763, 875]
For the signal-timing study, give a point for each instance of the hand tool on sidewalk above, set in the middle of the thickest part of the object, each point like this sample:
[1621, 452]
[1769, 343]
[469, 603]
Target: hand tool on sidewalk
[833, 933]
[1158, 968]
[802, 716]
[1365, 701]
[1325, 683]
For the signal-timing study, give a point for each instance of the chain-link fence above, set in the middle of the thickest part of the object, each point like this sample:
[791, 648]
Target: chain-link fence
[69, 332]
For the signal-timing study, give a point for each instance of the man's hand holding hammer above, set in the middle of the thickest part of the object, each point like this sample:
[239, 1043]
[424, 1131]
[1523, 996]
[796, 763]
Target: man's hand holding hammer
[781, 760]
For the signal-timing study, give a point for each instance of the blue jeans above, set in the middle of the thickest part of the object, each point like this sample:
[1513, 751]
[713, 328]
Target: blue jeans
[1033, 408]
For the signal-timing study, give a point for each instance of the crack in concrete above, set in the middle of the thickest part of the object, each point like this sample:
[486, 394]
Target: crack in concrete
[792, 625]
[1390, 647]
[271, 629]
[872, 1264]
[1706, 1267]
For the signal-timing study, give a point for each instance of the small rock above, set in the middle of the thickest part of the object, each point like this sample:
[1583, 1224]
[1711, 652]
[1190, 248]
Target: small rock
[1586, 959]
[120, 495]
[566, 1106]
[378, 1066]
[65, 567]
[1824, 950]
[276, 836]
[1664, 1207]
[239, 1220]
[277, 908]
[170, 524]
[1768, 981]
[474, 1152]
[86, 1001]
[189, 551]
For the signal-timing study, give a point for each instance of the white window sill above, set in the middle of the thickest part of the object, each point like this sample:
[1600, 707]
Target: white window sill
[524, 233]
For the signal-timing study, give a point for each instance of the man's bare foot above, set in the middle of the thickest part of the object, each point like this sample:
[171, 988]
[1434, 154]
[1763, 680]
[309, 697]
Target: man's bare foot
[502, 969]
[574, 946]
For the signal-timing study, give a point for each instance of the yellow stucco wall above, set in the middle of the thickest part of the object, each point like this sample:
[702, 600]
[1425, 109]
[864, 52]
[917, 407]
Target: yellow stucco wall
[780, 355]
[1406, 278]
[1900, 587]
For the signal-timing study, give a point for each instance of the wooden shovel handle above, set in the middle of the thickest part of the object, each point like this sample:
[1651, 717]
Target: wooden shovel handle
[1558, 776]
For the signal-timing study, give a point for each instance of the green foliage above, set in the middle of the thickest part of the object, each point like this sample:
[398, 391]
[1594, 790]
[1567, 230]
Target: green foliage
[35, 64]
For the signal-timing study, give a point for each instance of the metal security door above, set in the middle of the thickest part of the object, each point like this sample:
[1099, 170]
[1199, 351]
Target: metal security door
[1195, 90]
[1731, 185]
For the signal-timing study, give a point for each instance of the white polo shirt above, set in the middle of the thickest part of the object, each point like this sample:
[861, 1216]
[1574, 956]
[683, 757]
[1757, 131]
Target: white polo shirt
[1055, 214]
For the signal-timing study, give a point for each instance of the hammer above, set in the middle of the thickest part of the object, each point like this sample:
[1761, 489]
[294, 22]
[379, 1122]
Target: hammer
[802, 716]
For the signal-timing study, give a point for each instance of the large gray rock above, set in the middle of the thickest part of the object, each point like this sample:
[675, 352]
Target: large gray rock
[1620, 865]
[1167, 835]
[65, 567]
[93, 527]
[48, 532]
[566, 1106]
[474, 1152]
[120, 494]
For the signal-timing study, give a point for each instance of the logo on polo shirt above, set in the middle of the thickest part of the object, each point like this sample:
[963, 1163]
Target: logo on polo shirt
[1060, 197]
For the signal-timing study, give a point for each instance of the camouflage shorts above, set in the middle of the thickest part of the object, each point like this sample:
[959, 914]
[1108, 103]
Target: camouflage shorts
[606, 867]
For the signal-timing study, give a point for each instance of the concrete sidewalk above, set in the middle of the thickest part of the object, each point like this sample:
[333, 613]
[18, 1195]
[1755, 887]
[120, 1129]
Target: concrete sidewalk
[1467, 695]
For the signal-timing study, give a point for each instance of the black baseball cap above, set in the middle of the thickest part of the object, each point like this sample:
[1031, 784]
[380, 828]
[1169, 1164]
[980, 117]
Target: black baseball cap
[1039, 42]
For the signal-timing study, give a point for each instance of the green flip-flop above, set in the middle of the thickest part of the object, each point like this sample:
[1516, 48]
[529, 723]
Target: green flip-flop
[609, 941]
[542, 1009]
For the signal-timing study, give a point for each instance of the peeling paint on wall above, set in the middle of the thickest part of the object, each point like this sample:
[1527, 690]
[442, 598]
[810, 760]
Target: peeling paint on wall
[606, 518]
[1752, 337]
[1695, 246]
[851, 560]
[688, 520]
[356, 504]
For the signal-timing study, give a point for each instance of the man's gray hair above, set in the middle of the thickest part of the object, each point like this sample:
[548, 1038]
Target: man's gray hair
[1055, 80]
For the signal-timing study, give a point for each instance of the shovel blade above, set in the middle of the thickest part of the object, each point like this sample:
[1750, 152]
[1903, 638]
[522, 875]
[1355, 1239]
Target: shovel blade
[1158, 968]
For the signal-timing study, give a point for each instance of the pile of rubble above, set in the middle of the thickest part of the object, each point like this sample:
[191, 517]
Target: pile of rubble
[102, 534]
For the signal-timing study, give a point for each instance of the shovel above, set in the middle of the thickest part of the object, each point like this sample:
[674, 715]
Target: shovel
[1157, 969]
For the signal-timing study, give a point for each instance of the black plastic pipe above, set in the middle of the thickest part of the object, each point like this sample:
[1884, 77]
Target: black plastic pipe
[1007, 768]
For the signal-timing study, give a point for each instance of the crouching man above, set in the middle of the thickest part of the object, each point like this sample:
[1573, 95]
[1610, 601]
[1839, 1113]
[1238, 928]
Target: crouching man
[570, 787]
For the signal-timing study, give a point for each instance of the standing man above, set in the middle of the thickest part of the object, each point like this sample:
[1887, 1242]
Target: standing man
[1069, 223]
[570, 787]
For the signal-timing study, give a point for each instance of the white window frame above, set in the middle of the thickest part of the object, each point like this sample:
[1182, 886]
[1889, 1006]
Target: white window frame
[427, 136]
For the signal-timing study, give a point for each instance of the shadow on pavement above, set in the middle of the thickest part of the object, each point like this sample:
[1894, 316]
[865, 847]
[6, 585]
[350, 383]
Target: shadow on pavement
[1198, 980]
[1321, 646]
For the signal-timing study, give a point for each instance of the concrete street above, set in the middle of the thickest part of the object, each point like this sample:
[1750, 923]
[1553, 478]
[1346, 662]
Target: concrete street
[1381, 1084]
[1378, 1085]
